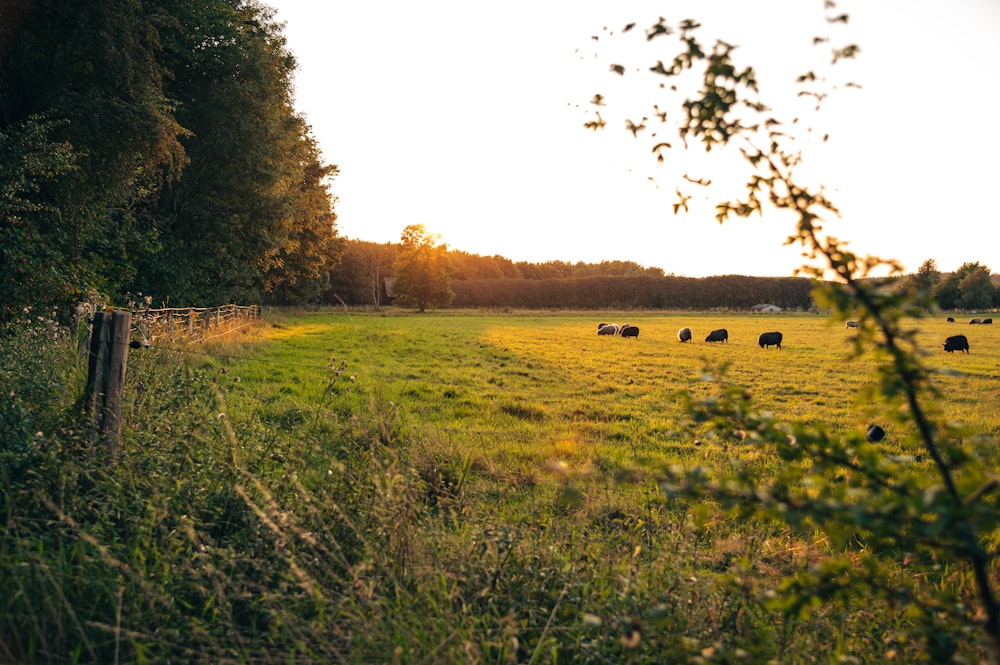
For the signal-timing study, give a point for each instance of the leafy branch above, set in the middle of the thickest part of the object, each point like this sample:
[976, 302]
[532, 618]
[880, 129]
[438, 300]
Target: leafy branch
[881, 509]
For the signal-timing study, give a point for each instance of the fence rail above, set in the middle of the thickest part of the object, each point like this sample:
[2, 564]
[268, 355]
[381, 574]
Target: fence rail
[193, 324]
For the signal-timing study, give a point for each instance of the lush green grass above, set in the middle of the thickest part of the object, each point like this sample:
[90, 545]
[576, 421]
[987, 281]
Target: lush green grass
[524, 384]
[449, 487]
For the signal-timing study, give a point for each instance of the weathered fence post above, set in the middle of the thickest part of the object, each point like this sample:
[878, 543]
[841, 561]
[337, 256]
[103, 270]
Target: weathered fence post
[106, 378]
[96, 372]
[111, 423]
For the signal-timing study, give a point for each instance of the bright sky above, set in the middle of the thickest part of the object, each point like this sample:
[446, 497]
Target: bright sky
[467, 117]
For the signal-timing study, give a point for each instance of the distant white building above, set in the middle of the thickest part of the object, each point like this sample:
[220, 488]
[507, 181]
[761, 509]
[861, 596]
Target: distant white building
[764, 308]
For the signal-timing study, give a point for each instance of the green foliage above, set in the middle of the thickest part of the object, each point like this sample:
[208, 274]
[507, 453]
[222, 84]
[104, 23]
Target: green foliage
[969, 287]
[154, 147]
[362, 488]
[359, 278]
[32, 268]
[736, 292]
[422, 271]
[926, 279]
[879, 511]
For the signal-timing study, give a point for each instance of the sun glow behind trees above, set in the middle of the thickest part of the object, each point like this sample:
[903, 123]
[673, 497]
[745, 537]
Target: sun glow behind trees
[475, 127]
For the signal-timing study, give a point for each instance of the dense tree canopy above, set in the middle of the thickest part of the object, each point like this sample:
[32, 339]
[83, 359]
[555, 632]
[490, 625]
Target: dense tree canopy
[154, 146]
[969, 287]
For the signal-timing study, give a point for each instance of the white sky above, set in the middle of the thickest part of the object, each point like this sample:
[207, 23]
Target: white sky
[467, 117]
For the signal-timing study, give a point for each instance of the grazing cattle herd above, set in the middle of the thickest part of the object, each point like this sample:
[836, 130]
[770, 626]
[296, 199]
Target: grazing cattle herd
[773, 338]
[874, 434]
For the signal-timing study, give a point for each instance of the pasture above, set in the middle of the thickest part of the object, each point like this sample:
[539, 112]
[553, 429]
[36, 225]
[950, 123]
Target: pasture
[530, 388]
[458, 487]
[532, 429]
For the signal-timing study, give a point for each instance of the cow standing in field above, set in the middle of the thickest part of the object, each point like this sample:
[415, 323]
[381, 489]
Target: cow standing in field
[684, 335]
[630, 331]
[769, 339]
[875, 434]
[975, 320]
[956, 343]
[852, 324]
[608, 329]
[720, 335]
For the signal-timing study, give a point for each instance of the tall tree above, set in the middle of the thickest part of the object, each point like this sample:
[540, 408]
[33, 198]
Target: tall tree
[359, 277]
[193, 176]
[976, 288]
[251, 209]
[969, 287]
[301, 270]
[422, 270]
[92, 70]
[926, 277]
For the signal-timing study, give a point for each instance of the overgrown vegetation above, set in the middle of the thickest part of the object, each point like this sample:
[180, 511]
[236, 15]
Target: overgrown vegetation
[446, 488]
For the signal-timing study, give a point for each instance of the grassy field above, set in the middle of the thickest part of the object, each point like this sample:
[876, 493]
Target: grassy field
[454, 487]
[532, 387]
[528, 421]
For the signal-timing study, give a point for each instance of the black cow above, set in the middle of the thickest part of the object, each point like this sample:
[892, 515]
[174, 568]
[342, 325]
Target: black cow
[956, 343]
[684, 334]
[720, 335]
[987, 321]
[951, 319]
[630, 331]
[769, 339]
[875, 434]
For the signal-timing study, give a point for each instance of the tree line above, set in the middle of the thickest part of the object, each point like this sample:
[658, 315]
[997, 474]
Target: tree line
[154, 147]
[971, 287]
[461, 279]
[470, 280]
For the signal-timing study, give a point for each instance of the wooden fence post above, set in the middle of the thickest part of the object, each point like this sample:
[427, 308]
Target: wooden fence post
[96, 373]
[111, 422]
[106, 378]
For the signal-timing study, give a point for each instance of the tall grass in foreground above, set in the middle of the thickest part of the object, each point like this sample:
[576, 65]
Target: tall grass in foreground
[326, 521]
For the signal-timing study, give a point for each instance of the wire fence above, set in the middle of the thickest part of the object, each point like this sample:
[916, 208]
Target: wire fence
[192, 324]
